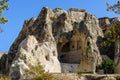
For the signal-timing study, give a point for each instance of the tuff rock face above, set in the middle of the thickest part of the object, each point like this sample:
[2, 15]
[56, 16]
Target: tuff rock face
[62, 41]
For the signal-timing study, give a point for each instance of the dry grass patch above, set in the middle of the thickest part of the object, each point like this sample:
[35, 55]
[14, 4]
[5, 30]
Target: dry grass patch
[38, 73]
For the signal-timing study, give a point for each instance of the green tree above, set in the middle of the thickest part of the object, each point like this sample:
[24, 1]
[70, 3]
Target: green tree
[114, 8]
[113, 35]
[3, 6]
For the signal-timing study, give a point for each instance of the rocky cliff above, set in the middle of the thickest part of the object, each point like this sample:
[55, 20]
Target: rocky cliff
[62, 41]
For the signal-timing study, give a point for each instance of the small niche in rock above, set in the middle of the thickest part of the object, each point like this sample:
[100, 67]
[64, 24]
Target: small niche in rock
[32, 51]
[47, 57]
[36, 47]
[54, 53]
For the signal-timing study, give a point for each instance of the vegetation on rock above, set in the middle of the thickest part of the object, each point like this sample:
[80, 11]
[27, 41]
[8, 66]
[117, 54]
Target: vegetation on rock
[108, 66]
[38, 73]
[113, 34]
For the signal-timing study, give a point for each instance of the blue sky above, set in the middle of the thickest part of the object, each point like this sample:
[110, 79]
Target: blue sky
[21, 10]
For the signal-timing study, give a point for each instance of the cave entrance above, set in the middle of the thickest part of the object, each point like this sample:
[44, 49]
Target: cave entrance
[69, 52]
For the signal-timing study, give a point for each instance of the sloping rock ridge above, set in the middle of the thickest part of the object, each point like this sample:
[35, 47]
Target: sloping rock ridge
[62, 41]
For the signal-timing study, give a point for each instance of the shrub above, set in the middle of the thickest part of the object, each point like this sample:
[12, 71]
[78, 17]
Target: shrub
[38, 73]
[108, 66]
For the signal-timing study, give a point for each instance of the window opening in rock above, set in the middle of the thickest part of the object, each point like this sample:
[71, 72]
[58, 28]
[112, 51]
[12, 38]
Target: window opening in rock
[88, 43]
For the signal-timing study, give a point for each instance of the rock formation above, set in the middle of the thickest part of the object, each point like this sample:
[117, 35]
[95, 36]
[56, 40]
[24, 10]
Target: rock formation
[62, 41]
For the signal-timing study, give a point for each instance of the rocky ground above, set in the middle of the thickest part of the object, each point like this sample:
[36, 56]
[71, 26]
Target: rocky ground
[73, 76]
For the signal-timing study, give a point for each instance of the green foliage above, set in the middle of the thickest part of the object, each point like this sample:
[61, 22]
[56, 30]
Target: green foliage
[3, 6]
[108, 66]
[3, 77]
[113, 35]
[37, 73]
[114, 8]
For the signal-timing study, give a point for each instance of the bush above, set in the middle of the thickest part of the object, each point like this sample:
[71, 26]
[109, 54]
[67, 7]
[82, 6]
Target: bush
[37, 73]
[108, 66]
